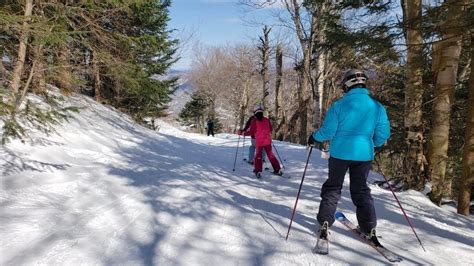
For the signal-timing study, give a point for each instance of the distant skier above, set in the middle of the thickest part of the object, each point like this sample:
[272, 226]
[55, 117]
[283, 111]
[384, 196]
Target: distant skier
[262, 129]
[355, 125]
[210, 127]
[251, 155]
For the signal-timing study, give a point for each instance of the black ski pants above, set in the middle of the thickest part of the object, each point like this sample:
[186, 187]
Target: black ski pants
[210, 131]
[360, 192]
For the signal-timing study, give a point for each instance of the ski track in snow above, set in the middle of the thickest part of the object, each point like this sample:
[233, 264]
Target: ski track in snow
[107, 191]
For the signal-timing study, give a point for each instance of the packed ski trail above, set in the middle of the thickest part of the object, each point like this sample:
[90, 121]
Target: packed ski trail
[106, 191]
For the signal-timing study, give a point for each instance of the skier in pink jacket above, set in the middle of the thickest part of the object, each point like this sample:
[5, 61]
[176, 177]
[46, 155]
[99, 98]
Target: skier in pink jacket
[262, 129]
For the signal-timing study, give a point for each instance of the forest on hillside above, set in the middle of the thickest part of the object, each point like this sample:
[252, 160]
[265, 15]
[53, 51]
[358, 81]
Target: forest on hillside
[117, 52]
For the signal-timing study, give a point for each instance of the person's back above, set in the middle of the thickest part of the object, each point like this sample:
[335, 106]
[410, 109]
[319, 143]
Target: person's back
[251, 151]
[263, 132]
[210, 124]
[355, 124]
[210, 127]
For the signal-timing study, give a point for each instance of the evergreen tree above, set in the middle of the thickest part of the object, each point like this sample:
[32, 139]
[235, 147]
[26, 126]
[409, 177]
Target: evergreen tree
[149, 45]
[116, 51]
[194, 112]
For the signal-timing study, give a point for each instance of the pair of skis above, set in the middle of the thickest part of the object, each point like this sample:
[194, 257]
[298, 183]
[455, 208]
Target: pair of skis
[322, 245]
[267, 169]
[260, 176]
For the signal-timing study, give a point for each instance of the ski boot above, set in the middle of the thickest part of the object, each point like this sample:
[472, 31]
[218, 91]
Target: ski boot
[278, 173]
[372, 238]
[257, 174]
[322, 244]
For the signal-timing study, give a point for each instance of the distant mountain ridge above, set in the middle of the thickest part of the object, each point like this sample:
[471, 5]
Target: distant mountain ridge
[182, 94]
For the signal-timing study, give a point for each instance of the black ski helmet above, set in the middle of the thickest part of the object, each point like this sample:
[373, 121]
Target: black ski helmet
[353, 77]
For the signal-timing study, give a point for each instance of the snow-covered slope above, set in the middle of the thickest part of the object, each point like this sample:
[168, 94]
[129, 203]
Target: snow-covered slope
[106, 191]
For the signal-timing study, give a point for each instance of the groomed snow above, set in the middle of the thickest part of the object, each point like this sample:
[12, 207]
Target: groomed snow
[107, 191]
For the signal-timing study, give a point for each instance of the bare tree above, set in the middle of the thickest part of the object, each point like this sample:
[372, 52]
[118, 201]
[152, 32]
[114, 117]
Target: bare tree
[245, 79]
[305, 20]
[264, 48]
[306, 37]
[227, 77]
[278, 90]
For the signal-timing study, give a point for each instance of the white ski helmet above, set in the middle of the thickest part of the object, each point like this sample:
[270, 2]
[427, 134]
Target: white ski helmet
[258, 108]
[353, 77]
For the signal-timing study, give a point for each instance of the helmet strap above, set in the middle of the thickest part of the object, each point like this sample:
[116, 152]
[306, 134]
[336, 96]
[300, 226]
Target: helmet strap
[347, 89]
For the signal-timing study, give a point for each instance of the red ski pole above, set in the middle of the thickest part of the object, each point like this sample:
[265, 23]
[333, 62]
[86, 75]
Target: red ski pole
[399, 204]
[299, 190]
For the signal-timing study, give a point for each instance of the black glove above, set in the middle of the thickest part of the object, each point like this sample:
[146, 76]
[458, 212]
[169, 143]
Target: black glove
[321, 146]
[318, 145]
[311, 140]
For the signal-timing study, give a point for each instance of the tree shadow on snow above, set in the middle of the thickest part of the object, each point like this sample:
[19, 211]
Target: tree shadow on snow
[168, 168]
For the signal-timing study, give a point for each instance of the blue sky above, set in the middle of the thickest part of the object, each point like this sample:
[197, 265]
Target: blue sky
[212, 22]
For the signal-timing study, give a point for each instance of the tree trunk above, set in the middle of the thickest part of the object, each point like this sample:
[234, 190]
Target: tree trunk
[3, 73]
[414, 159]
[265, 49]
[39, 83]
[96, 75]
[212, 110]
[241, 120]
[278, 92]
[447, 52]
[304, 98]
[200, 123]
[321, 66]
[63, 79]
[20, 61]
[37, 62]
[467, 180]
[244, 104]
[21, 98]
[318, 99]
[330, 88]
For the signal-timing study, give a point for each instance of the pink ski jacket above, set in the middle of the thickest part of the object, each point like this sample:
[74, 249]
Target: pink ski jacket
[262, 131]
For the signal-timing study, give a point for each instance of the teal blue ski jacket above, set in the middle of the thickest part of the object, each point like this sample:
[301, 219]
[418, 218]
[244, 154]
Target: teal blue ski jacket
[355, 124]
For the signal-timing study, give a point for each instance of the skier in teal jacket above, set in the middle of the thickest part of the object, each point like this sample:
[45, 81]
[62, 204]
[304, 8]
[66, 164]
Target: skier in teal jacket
[355, 125]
